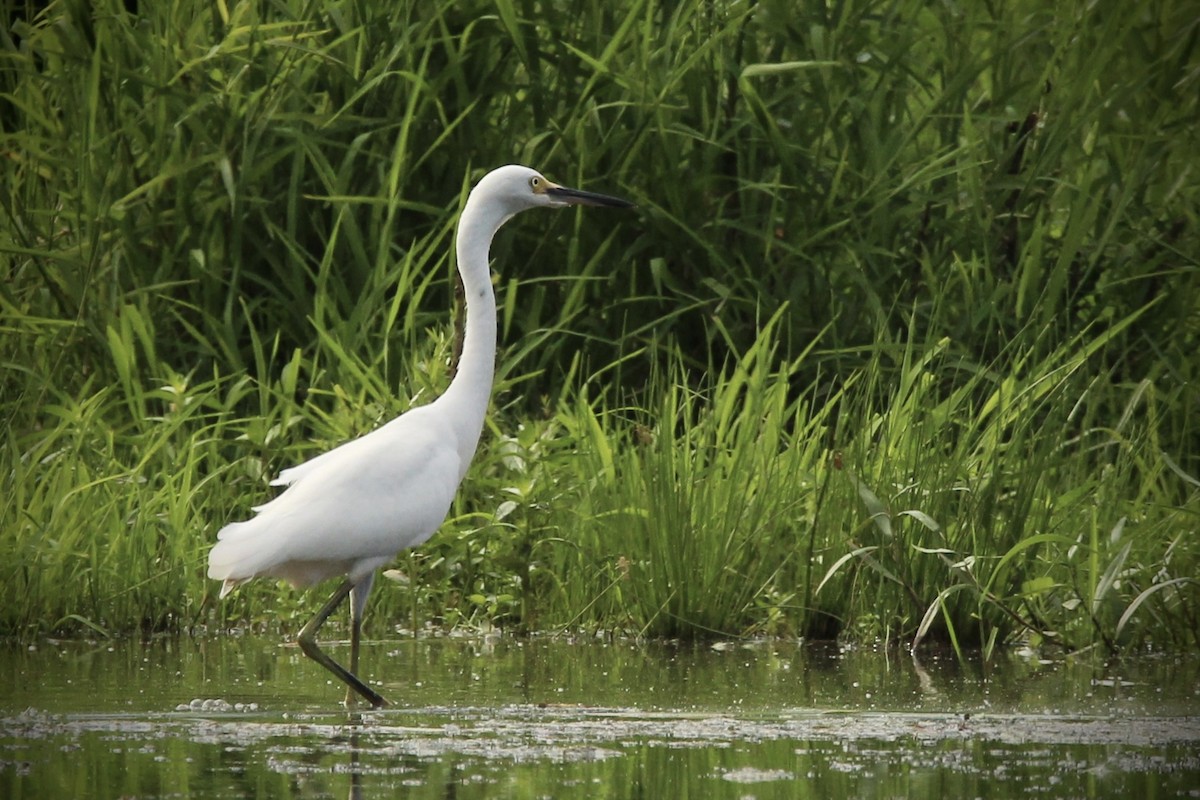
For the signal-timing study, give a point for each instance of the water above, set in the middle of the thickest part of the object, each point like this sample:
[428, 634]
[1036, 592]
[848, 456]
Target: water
[497, 717]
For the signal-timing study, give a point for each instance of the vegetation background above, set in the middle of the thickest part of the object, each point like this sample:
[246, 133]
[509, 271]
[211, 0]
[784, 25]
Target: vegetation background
[901, 341]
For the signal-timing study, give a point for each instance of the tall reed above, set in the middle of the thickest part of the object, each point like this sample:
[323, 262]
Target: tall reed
[901, 343]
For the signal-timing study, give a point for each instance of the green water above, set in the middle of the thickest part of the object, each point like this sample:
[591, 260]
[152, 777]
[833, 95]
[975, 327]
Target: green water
[481, 718]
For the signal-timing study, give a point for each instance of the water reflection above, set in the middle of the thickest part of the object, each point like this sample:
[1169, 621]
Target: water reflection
[499, 718]
[356, 790]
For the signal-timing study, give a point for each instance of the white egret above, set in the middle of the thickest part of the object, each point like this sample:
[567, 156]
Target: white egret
[349, 511]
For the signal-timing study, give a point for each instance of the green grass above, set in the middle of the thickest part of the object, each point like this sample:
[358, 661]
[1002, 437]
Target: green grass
[900, 343]
[887, 507]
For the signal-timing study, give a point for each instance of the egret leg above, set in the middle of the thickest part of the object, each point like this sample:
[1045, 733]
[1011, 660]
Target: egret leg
[355, 628]
[308, 643]
[358, 603]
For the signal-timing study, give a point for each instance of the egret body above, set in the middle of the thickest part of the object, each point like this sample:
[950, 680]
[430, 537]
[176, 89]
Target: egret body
[349, 511]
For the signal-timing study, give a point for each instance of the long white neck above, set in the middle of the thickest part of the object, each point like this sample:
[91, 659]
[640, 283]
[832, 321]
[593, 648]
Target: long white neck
[469, 393]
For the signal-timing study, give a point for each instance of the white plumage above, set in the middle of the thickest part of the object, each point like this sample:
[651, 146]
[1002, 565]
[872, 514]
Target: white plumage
[350, 510]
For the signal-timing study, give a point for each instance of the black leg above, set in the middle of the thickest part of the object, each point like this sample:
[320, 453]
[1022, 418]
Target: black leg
[355, 631]
[308, 643]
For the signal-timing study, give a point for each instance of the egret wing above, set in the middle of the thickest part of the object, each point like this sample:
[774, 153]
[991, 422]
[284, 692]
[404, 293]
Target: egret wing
[363, 501]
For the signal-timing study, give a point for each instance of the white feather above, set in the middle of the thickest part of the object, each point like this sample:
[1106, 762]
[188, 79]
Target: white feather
[346, 509]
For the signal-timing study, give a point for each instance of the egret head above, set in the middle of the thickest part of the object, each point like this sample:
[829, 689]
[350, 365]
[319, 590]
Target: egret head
[515, 188]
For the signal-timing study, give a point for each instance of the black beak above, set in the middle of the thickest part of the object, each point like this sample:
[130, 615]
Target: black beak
[578, 197]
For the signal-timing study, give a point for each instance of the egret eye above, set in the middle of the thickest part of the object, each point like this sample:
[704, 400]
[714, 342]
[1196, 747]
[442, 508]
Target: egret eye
[535, 183]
